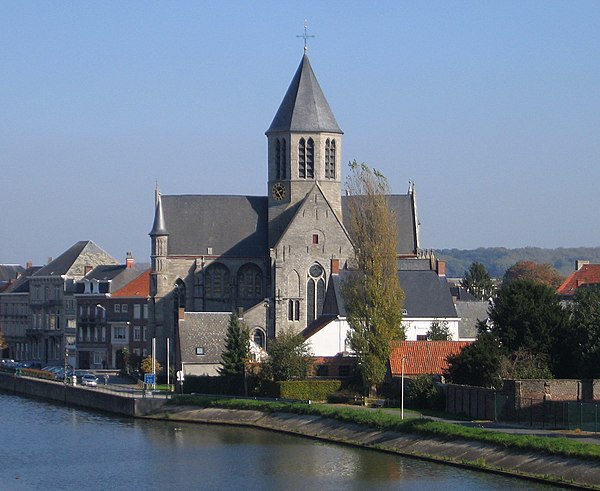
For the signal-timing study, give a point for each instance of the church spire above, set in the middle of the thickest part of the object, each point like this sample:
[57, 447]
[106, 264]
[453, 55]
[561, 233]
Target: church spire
[304, 107]
[158, 227]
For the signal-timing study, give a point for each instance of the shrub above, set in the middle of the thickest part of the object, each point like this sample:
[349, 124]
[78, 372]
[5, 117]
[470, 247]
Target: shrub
[423, 393]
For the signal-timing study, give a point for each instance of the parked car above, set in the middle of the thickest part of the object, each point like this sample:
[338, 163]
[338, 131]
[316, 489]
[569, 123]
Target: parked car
[89, 379]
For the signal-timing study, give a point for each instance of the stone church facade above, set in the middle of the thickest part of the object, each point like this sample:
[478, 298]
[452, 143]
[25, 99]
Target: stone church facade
[268, 258]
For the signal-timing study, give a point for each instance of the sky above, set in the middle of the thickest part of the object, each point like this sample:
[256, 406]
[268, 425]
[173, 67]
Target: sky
[491, 107]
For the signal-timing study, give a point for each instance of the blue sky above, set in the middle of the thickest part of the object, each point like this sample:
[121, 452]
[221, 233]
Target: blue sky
[493, 108]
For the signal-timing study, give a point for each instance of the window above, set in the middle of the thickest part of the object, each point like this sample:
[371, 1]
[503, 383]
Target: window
[259, 337]
[136, 351]
[216, 282]
[103, 334]
[145, 309]
[315, 239]
[144, 352]
[421, 337]
[293, 310]
[95, 334]
[80, 334]
[310, 159]
[137, 311]
[199, 350]
[144, 334]
[117, 307]
[88, 334]
[322, 371]
[330, 159]
[124, 308]
[280, 159]
[249, 281]
[315, 292]
[136, 333]
[302, 159]
[119, 333]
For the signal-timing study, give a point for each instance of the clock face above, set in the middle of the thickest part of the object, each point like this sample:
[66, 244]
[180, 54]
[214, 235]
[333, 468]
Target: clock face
[278, 191]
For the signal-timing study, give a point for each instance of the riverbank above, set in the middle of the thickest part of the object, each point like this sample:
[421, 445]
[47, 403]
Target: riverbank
[565, 471]
[477, 455]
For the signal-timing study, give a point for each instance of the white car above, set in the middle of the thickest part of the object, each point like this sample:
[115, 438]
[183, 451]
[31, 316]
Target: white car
[89, 379]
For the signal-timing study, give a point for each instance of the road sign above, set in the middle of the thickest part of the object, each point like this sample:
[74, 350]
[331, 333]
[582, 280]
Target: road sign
[149, 378]
[180, 376]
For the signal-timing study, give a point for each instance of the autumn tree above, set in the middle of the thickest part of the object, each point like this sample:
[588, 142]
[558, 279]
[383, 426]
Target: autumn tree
[237, 348]
[537, 272]
[439, 331]
[147, 364]
[371, 291]
[290, 357]
[478, 282]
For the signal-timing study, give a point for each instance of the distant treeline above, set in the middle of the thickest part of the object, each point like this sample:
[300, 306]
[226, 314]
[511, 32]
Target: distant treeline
[498, 259]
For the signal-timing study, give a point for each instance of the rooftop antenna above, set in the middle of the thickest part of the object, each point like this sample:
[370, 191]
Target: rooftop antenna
[305, 36]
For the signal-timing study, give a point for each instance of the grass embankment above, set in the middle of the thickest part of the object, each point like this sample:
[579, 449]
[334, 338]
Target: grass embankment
[383, 420]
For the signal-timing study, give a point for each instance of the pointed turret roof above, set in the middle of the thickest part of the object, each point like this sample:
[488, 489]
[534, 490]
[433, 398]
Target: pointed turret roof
[159, 227]
[304, 107]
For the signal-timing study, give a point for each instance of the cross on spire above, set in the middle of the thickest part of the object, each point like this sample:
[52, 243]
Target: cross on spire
[305, 36]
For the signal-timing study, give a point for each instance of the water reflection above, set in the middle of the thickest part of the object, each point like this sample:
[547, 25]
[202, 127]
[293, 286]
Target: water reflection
[52, 447]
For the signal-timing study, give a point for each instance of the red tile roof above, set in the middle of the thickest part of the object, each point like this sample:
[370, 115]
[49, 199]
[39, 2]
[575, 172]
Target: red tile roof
[423, 357]
[139, 287]
[588, 274]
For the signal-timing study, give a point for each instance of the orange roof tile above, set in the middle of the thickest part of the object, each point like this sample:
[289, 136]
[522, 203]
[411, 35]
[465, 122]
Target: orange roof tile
[139, 287]
[423, 357]
[588, 274]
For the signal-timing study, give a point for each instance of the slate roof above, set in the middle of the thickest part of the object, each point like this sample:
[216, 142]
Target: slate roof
[304, 107]
[21, 285]
[159, 227]
[402, 205]
[230, 225]
[206, 330]
[77, 253]
[426, 294]
[470, 313]
[138, 287]
[588, 274]
[10, 272]
[423, 357]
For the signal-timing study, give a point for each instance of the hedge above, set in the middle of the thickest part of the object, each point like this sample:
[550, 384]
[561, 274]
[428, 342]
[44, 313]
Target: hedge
[314, 390]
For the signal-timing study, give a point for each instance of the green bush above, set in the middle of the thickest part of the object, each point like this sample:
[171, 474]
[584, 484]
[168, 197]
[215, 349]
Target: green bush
[423, 393]
[304, 390]
[222, 385]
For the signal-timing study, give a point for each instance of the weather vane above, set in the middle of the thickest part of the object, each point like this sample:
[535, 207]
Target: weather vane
[305, 36]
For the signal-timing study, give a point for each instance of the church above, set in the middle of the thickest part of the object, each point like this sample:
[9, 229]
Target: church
[270, 259]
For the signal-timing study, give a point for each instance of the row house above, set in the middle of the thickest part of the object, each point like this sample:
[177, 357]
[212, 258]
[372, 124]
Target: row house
[112, 313]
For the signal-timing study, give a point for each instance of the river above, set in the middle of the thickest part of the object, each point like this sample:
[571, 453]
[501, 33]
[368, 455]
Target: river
[47, 446]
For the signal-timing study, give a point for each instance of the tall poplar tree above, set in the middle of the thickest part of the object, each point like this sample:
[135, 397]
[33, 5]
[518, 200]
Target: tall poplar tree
[371, 291]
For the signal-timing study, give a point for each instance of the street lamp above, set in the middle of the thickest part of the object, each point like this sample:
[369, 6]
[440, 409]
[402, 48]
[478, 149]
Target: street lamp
[402, 390]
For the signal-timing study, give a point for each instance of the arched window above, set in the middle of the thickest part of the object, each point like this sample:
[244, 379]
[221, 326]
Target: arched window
[315, 292]
[277, 159]
[283, 160]
[216, 282]
[302, 159]
[259, 337]
[330, 159]
[310, 159]
[180, 294]
[249, 282]
[293, 310]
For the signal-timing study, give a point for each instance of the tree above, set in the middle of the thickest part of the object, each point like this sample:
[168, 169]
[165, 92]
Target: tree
[371, 291]
[477, 364]
[527, 315]
[524, 364]
[290, 357]
[478, 282]
[530, 270]
[146, 365]
[237, 348]
[578, 353]
[3, 344]
[439, 331]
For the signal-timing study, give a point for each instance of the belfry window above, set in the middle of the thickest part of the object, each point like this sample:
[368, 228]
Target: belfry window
[315, 292]
[249, 282]
[280, 159]
[310, 159]
[330, 159]
[302, 159]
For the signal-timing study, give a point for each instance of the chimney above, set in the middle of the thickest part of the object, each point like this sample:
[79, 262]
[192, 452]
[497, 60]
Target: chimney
[181, 314]
[580, 263]
[129, 262]
[29, 264]
[335, 266]
[441, 267]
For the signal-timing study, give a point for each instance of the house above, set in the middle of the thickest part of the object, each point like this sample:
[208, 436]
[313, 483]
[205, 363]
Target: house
[414, 358]
[584, 274]
[112, 309]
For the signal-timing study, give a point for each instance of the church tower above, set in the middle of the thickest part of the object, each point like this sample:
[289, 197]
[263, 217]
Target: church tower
[304, 148]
